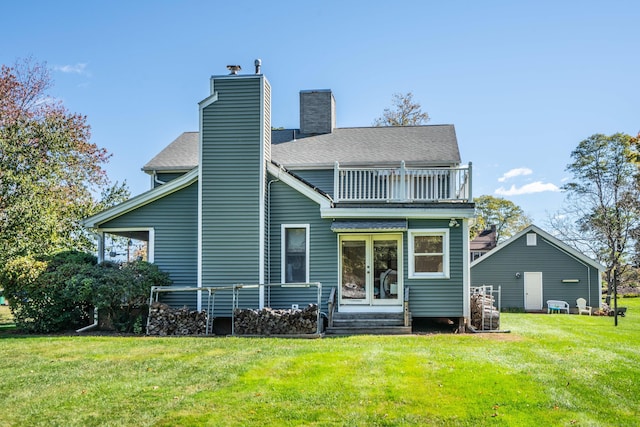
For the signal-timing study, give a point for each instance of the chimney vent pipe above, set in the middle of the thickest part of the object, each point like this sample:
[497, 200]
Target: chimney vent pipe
[234, 69]
[257, 63]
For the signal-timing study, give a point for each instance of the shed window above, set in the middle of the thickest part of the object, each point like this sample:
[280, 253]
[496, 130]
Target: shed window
[429, 253]
[295, 253]
[532, 239]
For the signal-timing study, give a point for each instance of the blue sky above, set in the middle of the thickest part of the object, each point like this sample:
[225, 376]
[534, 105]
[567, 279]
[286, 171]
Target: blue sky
[523, 82]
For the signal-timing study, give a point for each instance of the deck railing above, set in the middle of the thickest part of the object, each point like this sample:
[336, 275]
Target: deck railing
[402, 184]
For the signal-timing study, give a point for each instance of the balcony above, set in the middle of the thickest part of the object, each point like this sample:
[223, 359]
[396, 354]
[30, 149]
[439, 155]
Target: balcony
[402, 184]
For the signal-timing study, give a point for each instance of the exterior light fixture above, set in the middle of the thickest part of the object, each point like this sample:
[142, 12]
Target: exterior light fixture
[518, 275]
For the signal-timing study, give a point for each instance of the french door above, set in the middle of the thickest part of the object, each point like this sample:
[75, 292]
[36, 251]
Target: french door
[370, 269]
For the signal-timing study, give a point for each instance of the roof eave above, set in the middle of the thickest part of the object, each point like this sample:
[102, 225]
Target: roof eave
[167, 169]
[141, 200]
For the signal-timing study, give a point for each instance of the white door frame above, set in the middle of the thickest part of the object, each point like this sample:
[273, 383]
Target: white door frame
[369, 303]
[533, 290]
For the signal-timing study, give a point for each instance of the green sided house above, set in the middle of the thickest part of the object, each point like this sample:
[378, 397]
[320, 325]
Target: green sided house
[378, 215]
[534, 267]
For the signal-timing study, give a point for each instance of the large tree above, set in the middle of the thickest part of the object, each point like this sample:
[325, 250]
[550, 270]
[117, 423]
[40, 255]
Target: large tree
[508, 217]
[602, 213]
[49, 170]
[404, 112]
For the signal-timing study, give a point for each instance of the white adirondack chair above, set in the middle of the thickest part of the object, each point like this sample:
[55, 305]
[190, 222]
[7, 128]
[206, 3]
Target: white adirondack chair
[582, 306]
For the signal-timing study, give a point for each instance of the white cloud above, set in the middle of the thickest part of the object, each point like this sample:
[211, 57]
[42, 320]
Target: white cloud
[533, 187]
[78, 68]
[515, 172]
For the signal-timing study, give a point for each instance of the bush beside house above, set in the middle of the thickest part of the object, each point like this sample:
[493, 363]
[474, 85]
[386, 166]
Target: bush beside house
[59, 292]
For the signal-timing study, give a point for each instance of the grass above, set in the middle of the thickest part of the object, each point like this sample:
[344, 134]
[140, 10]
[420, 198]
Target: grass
[550, 370]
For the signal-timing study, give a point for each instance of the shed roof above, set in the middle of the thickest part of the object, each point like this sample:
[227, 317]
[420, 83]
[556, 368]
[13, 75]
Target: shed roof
[551, 239]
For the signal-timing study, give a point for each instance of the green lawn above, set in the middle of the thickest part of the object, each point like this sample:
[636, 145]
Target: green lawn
[550, 370]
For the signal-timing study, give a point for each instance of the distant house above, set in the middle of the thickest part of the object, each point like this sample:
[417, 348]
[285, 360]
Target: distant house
[370, 212]
[483, 242]
[533, 267]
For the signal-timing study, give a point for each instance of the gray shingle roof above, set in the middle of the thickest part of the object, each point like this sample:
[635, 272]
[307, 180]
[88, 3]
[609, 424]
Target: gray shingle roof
[432, 145]
[180, 155]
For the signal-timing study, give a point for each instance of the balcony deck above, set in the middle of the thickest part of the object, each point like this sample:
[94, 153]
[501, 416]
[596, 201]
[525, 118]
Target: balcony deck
[402, 185]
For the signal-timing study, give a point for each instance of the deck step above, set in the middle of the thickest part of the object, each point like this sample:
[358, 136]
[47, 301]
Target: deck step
[368, 324]
[380, 330]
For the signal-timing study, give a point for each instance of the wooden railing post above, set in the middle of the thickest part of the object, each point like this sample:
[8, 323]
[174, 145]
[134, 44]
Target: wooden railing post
[403, 184]
[331, 305]
[469, 175]
[336, 182]
[407, 320]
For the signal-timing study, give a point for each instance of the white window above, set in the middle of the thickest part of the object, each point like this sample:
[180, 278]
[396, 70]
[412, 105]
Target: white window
[295, 253]
[429, 253]
[532, 239]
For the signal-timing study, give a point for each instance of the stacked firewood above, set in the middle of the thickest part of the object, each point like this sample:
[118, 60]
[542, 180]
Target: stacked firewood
[164, 320]
[268, 321]
[484, 315]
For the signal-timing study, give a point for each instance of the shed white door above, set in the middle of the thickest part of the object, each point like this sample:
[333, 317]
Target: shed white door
[532, 290]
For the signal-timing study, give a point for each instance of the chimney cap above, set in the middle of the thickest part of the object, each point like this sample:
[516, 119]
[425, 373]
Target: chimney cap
[234, 69]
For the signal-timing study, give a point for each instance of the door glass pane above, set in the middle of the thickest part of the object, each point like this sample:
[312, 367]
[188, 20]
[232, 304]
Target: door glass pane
[354, 259]
[385, 261]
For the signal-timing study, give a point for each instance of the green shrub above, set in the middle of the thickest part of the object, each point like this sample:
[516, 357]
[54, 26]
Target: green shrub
[122, 291]
[60, 292]
[39, 295]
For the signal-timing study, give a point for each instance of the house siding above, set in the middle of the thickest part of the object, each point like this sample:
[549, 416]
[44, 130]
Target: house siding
[287, 206]
[500, 268]
[437, 297]
[166, 177]
[232, 183]
[174, 219]
[322, 179]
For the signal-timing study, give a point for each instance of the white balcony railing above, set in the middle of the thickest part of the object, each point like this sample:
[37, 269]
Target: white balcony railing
[402, 184]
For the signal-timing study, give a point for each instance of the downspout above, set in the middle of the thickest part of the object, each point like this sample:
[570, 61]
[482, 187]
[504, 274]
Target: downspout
[589, 286]
[156, 180]
[93, 325]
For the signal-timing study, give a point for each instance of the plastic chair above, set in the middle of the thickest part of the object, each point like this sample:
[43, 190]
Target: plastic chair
[582, 306]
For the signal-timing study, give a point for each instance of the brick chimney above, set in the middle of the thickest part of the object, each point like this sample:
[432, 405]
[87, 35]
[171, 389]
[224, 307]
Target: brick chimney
[317, 111]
